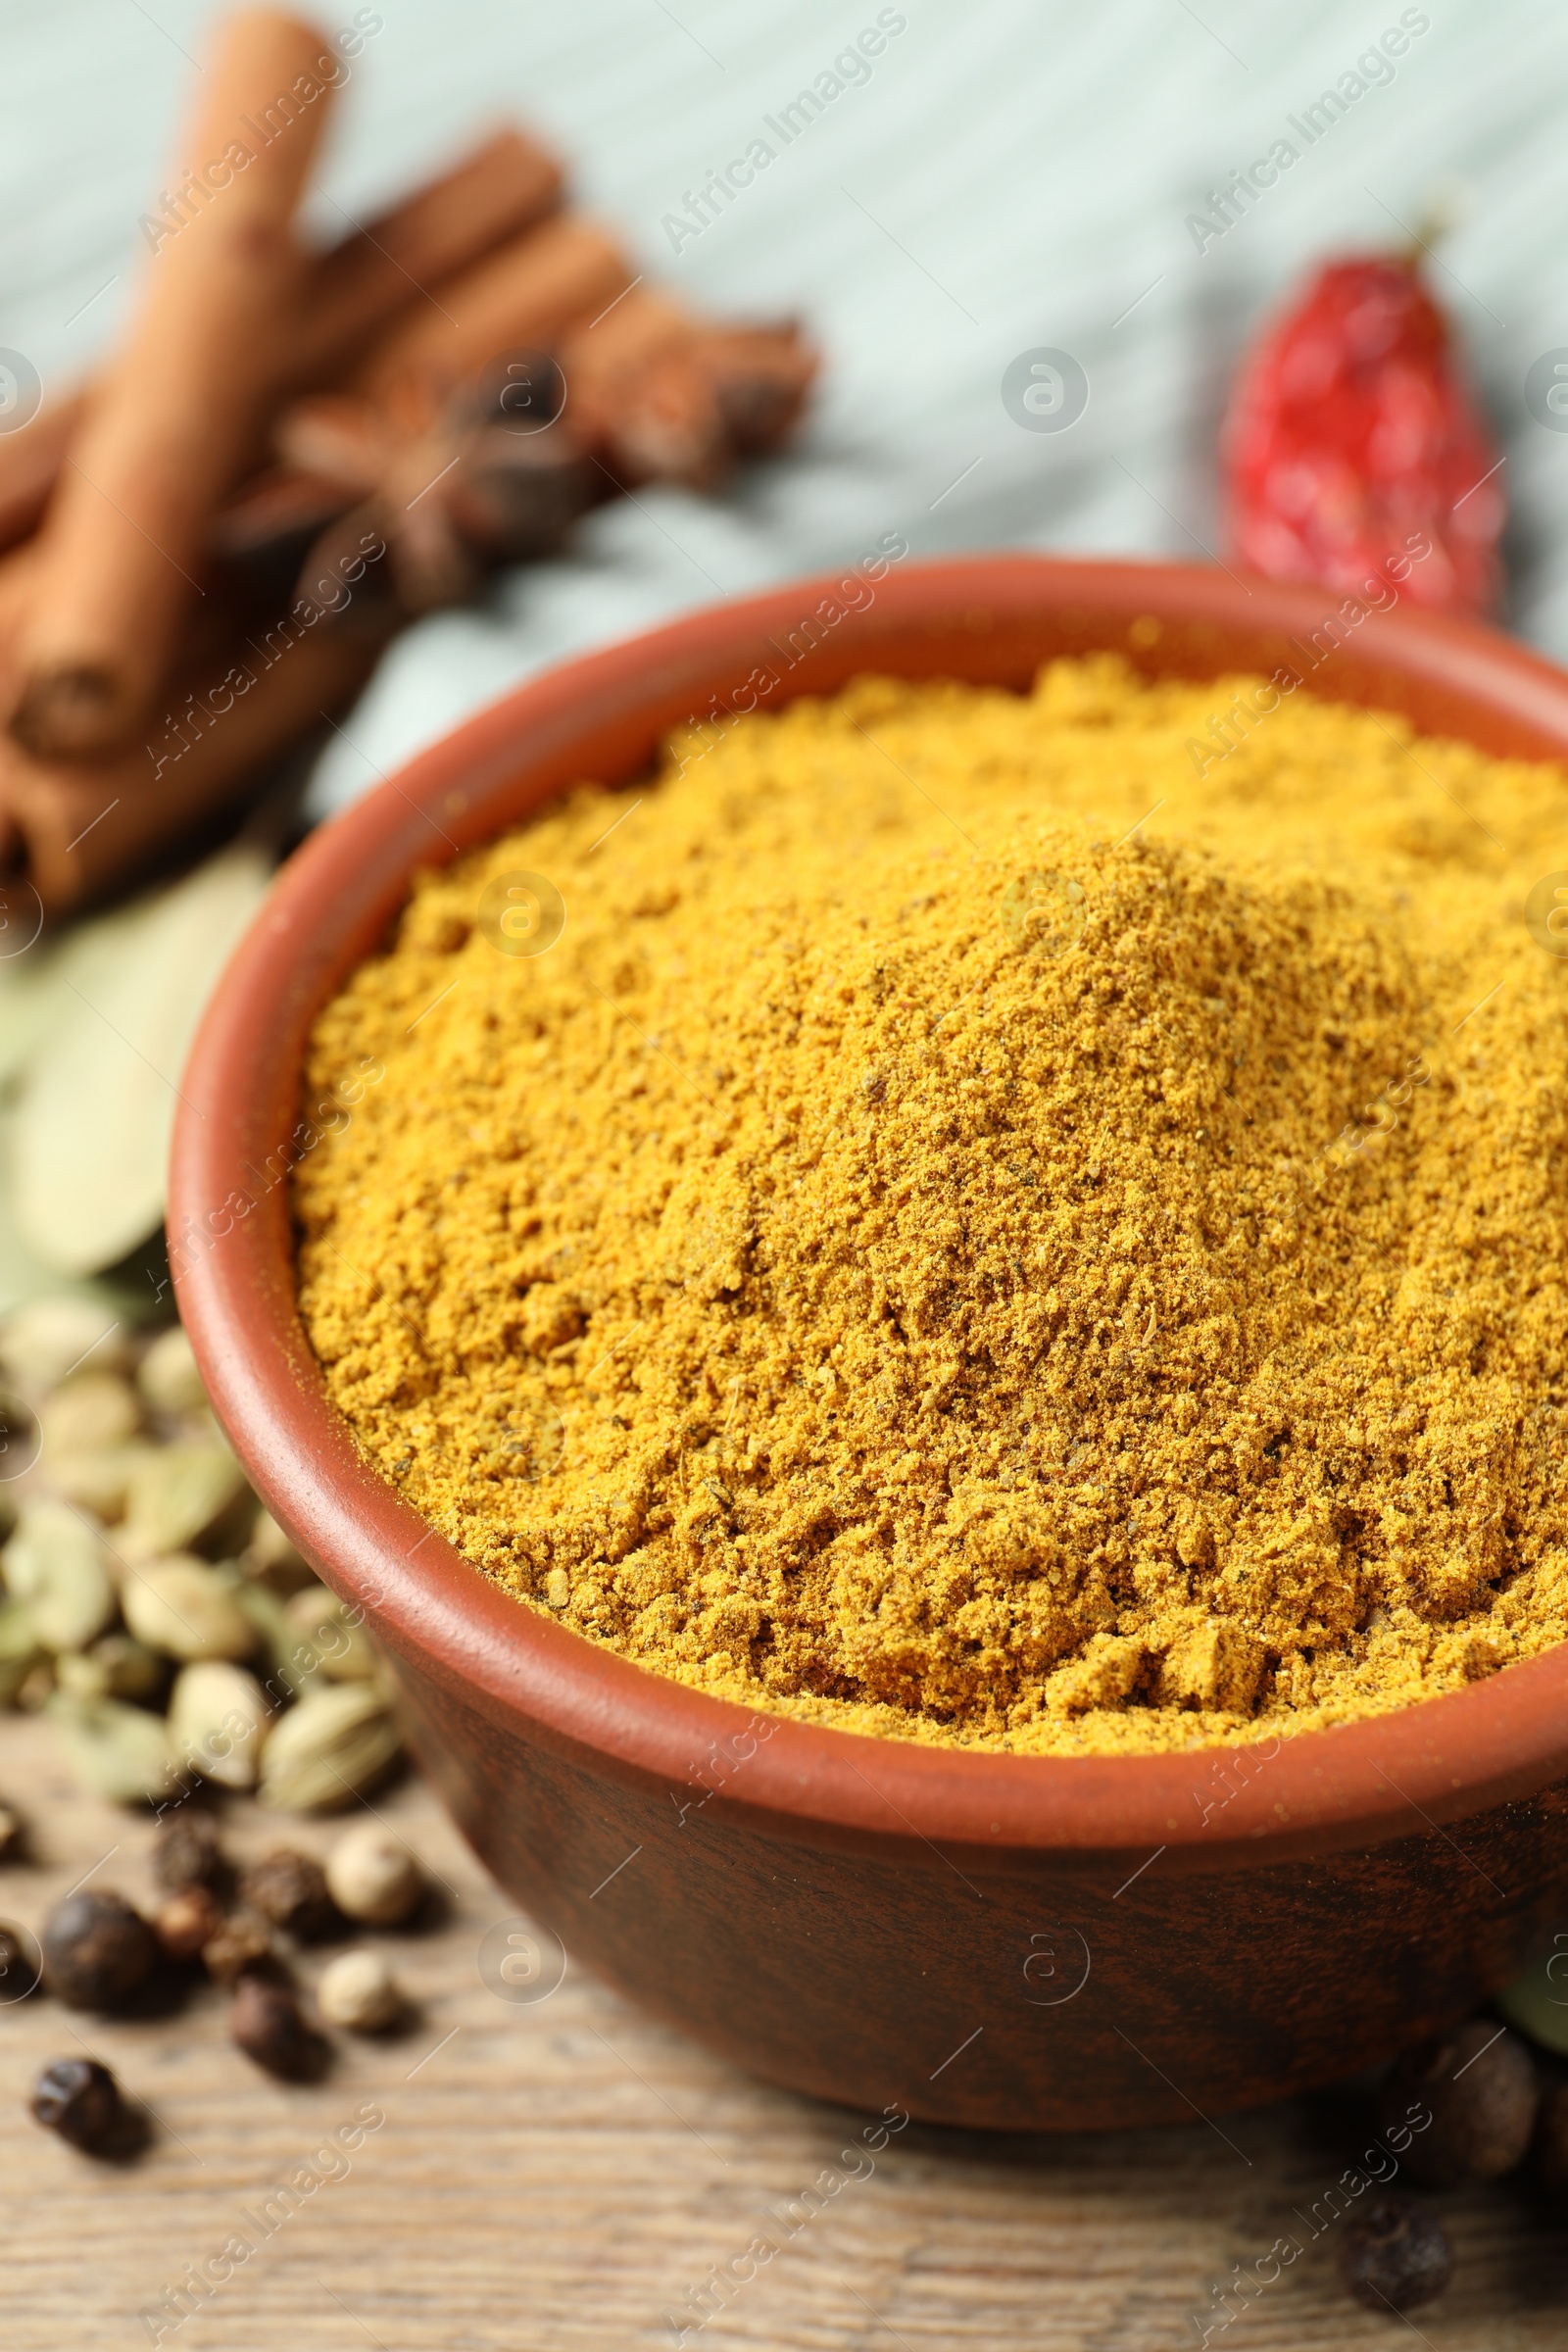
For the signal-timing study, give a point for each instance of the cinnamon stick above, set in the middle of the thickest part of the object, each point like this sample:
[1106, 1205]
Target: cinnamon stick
[524, 296]
[335, 435]
[179, 410]
[29, 464]
[283, 508]
[505, 186]
[759, 376]
[79, 832]
[635, 393]
[402, 256]
[666, 396]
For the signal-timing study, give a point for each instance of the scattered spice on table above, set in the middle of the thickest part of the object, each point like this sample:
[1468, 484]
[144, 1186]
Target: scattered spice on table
[100, 1954]
[1482, 2089]
[186, 1923]
[359, 1991]
[79, 2098]
[119, 1423]
[265, 2022]
[372, 1876]
[151, 1608]
[1395, 2256]
[242, 1942]
[98, 1951]
[19, 1969]
[187, 1851]
[289, 1888]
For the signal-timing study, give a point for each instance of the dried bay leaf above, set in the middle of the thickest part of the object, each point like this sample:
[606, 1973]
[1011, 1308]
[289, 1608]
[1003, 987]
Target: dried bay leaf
[97, 1092]
[25, 1281]
[34, 994]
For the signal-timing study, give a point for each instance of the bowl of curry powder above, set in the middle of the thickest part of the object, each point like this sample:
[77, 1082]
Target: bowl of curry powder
[908, 1241]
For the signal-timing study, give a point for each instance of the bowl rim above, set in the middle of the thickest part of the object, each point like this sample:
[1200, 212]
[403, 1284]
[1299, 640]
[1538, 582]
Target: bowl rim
[1204, 1807]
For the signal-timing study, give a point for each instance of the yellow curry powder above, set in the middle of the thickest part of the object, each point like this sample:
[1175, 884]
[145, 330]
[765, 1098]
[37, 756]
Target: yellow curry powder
[977, 1232]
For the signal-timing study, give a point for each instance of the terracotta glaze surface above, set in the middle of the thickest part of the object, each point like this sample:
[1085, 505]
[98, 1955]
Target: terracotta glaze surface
[1016, 1941]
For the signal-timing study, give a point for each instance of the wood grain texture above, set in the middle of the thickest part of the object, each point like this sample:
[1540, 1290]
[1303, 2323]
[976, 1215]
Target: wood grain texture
[558, 2178]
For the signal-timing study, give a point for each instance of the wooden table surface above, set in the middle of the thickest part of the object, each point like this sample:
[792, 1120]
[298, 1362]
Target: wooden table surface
[565, 2174]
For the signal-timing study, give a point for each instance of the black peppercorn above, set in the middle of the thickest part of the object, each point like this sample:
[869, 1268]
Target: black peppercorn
[236, 1946]
[1395, 2255]
[80, 2100]
[289, 1888]
[264, 2021]
[187, 1921]
[19, 1963]
[97, 1951]
[186, 1852]
[1480, 2088]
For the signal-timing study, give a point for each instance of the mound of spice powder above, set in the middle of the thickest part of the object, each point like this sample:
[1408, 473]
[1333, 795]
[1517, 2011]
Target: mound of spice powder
[991, 1223]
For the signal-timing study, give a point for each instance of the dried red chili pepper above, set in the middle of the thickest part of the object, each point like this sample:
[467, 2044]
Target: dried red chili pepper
[1353, 443]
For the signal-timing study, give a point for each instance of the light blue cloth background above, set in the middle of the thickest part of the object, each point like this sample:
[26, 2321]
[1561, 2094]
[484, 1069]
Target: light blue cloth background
[1009, 176]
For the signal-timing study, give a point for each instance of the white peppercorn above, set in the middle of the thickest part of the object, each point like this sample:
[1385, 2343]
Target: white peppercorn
[359, 1990]
[372, 1875]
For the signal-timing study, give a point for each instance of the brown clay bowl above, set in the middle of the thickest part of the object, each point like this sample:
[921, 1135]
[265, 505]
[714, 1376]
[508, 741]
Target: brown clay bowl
[1013, 1942]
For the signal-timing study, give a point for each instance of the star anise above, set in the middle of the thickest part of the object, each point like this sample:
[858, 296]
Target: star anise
[499, 471]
